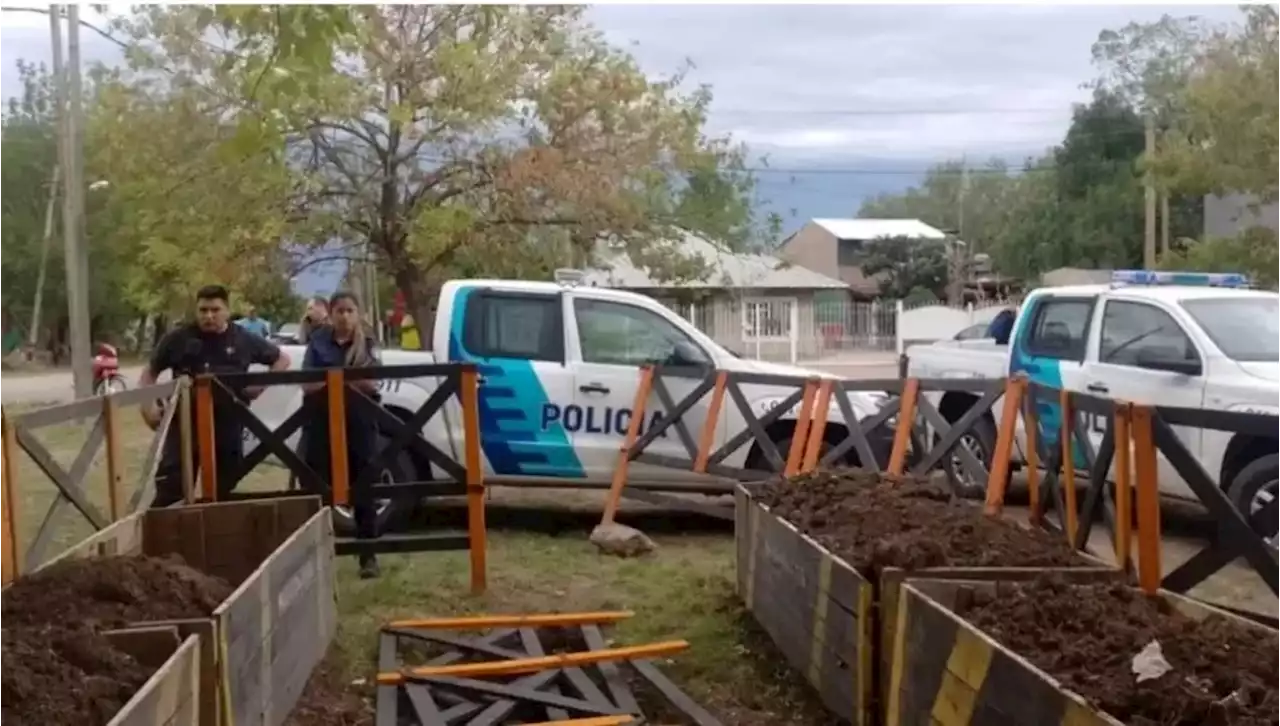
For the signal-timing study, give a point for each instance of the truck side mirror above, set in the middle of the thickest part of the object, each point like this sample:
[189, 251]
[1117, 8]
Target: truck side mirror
[687, 355]
[1165, 358]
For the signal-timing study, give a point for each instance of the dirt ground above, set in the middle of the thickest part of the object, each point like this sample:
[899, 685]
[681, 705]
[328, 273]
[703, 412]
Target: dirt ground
[1087, 636]
[875, 522]
[57, 668]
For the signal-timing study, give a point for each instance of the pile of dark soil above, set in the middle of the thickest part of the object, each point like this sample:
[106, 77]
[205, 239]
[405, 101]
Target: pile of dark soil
[874, 521]
[56, 668]
[1086, 636]
[109, 592]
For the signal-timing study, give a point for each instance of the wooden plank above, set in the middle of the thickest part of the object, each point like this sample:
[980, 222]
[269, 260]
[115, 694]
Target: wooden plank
[614, 680]
[529, 665]
[677, 698]
[484, 622]
[125, 537]
[9, 515]
[206, 630]
[171, 696]
[279, 623]
[150, 645]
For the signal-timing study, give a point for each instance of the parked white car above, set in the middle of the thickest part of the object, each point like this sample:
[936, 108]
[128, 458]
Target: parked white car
[559, 365]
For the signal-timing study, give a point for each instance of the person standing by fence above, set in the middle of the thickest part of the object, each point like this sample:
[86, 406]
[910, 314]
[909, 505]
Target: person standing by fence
[214, 345]
[345, 343]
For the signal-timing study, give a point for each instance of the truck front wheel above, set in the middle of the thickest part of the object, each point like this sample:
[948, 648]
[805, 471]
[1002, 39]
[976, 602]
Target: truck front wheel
[1254, 491]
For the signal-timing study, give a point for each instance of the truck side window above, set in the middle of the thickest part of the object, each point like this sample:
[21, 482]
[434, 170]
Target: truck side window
[1060, 328]
[618, 334]
[1130, 329]
[520, 326]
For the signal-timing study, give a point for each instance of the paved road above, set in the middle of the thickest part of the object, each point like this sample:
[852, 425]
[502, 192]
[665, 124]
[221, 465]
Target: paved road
[55, 387]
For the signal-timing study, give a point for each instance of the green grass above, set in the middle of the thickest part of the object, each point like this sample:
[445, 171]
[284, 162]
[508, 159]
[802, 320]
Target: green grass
[684, 590]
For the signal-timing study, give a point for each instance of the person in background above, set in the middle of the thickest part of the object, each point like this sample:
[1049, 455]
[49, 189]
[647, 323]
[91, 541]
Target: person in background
[409, 338]
[1001, 326]
[209, 345]
[317, 317]
[345, 343]
[254, 324]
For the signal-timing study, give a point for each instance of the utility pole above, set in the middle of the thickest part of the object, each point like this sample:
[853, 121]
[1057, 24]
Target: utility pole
[71, 156]
[1164, 224]
[34, 336]
[1149, 233]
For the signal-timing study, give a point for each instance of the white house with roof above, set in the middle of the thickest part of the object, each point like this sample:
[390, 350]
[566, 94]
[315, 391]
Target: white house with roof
[834, 247]
[755, 304]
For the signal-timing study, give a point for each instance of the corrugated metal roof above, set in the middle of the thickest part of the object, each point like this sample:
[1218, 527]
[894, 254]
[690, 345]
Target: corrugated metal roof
[727, 270]
[867, 229]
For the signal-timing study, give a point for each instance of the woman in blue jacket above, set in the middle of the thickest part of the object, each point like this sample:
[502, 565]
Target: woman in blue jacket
[345, 343]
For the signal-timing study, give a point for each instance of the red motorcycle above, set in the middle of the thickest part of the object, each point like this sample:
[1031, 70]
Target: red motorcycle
[106, 371]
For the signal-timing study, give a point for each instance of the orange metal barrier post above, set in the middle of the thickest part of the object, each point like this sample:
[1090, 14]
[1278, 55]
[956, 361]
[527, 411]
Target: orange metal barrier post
[1066, 436]
[338, 467]
[205, 438]
[799, 437]
[818, 427]
[707, 441]
[1144, 455]
[998, 476]
[9, 515]
[1124, 480]
[476, 527]
[624, 456]
[906, 420]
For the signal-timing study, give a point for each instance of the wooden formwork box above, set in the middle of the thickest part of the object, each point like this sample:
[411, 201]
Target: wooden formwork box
[948, 672]
[826, 617]
[171, 696]
[260, 646]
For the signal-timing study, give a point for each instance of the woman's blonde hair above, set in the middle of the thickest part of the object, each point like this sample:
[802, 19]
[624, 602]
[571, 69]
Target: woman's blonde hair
[359, 354]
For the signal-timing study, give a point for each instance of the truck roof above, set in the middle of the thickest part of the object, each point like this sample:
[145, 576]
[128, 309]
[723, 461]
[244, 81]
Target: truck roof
[544, 287]
[1166, 293]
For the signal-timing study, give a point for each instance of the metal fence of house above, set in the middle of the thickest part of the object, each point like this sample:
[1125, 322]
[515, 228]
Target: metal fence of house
[820, 327]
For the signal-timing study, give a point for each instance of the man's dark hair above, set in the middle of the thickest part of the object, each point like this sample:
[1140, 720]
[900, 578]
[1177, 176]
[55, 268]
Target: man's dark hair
[213, 292]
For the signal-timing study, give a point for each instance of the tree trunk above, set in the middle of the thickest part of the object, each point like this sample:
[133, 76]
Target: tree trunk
[420, 299]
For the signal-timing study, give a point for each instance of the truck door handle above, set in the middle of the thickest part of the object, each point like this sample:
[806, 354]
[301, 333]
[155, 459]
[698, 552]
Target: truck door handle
[1098, 388]
[593, 388]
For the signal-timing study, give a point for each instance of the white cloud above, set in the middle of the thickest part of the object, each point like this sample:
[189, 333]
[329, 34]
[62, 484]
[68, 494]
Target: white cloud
[804, 81]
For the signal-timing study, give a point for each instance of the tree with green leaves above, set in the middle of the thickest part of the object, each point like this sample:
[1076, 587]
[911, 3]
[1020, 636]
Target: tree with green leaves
[973, 205]
[907, 267]
[445, 137]
[1226, 134]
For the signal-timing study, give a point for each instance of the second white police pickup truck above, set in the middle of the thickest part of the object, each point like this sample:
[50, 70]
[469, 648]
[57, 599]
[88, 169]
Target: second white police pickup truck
[560, 364]
[1174, 339]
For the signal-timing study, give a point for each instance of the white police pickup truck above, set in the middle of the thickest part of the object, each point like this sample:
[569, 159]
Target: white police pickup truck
[559, 365]
[1174, 339]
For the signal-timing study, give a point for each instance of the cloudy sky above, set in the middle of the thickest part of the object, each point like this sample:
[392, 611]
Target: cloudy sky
[875, 93]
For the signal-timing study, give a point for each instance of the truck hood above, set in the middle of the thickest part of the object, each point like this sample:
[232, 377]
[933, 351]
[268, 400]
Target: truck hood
[1264, 370]
[778, 369]
[865, 403]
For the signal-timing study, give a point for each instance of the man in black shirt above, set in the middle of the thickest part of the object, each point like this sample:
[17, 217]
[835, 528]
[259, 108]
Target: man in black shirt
[210, 345]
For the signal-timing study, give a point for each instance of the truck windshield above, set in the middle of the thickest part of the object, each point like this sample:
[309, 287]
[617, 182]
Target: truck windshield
[1244, 329]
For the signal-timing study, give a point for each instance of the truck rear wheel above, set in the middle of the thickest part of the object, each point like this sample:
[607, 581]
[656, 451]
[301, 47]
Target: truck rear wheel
[980, 440]
[1254, 490]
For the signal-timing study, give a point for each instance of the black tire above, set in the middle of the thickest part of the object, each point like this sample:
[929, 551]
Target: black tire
[1253, 488]
[983, 437]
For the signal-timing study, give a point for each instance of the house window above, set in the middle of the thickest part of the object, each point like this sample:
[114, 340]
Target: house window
[767, 319]
[848, 252]
[700, 313]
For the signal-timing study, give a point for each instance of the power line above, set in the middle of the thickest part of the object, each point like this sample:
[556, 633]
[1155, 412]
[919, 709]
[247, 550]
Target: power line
[893, 111]
[832, 171]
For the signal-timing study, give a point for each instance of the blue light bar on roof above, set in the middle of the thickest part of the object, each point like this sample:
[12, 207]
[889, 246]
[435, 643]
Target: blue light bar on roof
[1189, 279]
